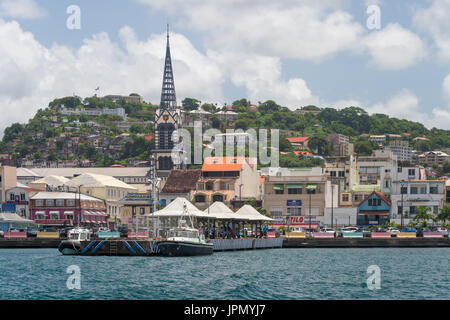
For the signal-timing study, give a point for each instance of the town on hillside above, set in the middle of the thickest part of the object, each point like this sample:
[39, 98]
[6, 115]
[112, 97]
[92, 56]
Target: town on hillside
[105, 161]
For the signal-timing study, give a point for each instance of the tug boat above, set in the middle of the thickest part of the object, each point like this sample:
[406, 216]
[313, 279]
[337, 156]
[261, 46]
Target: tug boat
[185, 241]
[73, 246]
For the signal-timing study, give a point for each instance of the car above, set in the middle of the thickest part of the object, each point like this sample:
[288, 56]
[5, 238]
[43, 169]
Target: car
[103, 229]
[420, 231]
[123, 231]
[49, 230]
[393, 231]
[32, 232]
[441, 230]
[409, 229]
[349, 229]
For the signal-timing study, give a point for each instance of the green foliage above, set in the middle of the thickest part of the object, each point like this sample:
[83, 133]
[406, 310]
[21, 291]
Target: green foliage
[190, 104]
[320, 144]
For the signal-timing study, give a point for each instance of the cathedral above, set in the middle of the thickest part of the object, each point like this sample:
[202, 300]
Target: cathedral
[168, 123]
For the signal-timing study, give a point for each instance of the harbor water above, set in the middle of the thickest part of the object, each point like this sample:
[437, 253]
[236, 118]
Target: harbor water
[405, 273]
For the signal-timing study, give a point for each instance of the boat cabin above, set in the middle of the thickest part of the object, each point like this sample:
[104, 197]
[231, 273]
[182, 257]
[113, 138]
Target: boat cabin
[79, 234]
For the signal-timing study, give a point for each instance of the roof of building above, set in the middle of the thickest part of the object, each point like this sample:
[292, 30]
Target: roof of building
[181, 181]
[365, 187]
[62, 195]
[51, 180]
[98, 180]
[223, 163]
[297, 139]
[303, 153]
[71, 172]
[380, 195]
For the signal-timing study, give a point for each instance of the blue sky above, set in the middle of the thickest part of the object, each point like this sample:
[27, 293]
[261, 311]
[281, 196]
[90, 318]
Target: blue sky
[296, 52]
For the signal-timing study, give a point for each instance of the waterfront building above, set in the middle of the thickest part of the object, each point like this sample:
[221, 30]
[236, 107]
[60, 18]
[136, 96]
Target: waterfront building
[342, 171]
[369, 167]
[59, 209]
[49, 183]
[8, 180]
[226, 179]
[179, 184]
[353, 197]
[408, 188]
[301, 192]
[20, 198]
[401, 149]
[107, 188]
[374, 210]
[138, 177]
[135, 204]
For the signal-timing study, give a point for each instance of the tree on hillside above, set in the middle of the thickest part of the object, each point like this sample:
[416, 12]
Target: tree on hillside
[363, 148]
[190, 104]
[268, 106]
[320, 144]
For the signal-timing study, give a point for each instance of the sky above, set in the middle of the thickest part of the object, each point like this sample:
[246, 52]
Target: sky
[385, 56]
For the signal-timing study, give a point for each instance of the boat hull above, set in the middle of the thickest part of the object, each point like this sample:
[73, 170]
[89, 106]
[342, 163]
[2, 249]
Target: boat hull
[69, 247]
[179, 248]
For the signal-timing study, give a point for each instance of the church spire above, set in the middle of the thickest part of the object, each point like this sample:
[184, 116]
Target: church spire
[168, 96]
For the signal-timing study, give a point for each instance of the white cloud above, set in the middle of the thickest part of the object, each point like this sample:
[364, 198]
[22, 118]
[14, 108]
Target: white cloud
[446, 87]
[33, 75]
[21, 9]
[434, 21]
[405, 105]
[394, 48]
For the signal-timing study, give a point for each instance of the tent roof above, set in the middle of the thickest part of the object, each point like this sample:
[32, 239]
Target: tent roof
[247, 211]
[219, 210]
[176, 209]
[13, 217]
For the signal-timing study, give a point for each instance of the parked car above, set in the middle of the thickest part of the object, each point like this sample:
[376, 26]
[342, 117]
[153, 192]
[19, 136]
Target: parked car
[277, 233]
[393, 231]
[103, 229]
[32, 232]
[441, 230]
[49, 230]
[409, 229]
[329, 230]
[420, 231]
[123, 231]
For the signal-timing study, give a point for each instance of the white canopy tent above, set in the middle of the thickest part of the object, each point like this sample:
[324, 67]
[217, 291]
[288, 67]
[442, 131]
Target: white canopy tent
[177, 209]
[247, 212]
[13, 218]
[218, 210]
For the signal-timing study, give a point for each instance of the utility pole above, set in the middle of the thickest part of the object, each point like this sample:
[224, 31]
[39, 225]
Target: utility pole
[154, 191]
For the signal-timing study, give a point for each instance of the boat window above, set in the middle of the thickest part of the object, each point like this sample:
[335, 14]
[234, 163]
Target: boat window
[83, 236]
[73, 236]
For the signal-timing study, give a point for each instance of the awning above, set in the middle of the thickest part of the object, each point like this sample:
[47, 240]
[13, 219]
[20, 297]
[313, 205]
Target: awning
[68, 212]
[295, 186]
[311, 186]
[278, 187]
[313, 225]
[373, 213]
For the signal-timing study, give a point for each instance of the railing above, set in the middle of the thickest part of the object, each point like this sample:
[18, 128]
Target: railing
[142, 234]
[406, 235]
[323, 235]
[47, 235]
[380, 235]
[352, 235]
[433, 235]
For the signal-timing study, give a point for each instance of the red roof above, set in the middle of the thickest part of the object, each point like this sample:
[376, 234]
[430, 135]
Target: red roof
[303, 153]
[223, 164]
[148, 137]
[380, 195]
[297, 139]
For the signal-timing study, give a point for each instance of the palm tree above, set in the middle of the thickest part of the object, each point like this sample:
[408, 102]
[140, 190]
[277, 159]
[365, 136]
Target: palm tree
[422, 215]
[444, 213]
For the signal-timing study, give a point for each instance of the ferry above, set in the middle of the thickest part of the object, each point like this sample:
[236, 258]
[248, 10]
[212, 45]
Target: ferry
[73, 245]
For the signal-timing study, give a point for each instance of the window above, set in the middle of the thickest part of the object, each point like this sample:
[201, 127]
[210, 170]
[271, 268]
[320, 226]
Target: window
[142, 210]
[54, 216]
[411, 172]
[404, 190]
[341, 174]
[218, 197]
[276, 211]
[49, 203]
[201, 186]
[433, 190]
[345, 197]
[39, 203]
[414, 190]
[399, 169]
[210, 186]
[423, 190]
[60, 203]
[22, 197]
[278, 188]
[11, 197]
[399, 209]
[435, 210]
[333, 173]
[295, 211]
[200, 198]
[294, 190]
[412, 210]
[71, 203]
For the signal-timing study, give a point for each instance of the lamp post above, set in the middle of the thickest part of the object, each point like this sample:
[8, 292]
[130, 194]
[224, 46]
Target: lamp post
[79, 204]
[401, 211]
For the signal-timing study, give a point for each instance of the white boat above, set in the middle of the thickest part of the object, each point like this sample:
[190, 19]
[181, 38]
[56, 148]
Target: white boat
[73, 244]
[185, 240]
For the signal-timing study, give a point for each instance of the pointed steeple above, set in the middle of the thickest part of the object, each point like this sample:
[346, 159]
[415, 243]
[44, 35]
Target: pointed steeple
[168, 96]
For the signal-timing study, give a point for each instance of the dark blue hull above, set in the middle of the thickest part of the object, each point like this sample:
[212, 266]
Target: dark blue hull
[179, 248]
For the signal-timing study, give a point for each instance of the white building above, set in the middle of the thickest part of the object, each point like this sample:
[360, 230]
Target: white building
[401, 149]
[408, 188]
[369, 167]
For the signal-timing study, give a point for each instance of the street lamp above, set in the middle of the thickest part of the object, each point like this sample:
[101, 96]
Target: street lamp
[401, 211]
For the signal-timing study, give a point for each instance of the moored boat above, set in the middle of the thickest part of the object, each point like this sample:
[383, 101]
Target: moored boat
[185, 241]
[73, 245]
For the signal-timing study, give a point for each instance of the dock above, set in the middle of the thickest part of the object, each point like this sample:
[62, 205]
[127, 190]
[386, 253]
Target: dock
[366, 243]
